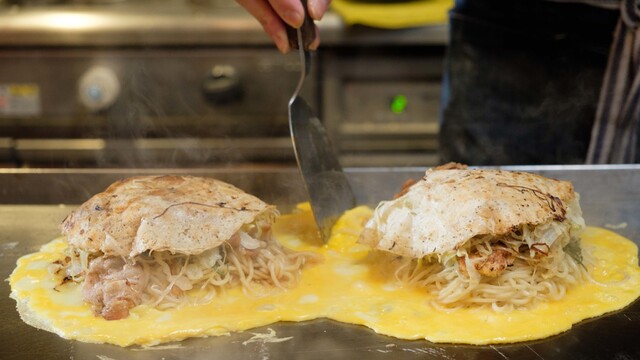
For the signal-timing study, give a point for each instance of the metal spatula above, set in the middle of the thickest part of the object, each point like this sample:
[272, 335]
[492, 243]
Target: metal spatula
[329, 191]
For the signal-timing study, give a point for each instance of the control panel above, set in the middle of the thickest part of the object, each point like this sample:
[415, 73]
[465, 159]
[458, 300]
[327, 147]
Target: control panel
[381, 107]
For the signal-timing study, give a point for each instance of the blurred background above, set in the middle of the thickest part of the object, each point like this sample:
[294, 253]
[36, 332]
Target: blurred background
[195, 83]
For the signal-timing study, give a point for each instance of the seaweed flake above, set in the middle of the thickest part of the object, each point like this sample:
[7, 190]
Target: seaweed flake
[574, 250]
[551, 200]
[220, 205]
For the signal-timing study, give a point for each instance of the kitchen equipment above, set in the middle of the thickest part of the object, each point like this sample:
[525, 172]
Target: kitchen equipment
[142, 84]
[197, 84]
[329, 191]
[609, 196]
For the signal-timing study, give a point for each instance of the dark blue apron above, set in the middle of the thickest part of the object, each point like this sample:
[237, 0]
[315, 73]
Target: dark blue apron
[523, 79]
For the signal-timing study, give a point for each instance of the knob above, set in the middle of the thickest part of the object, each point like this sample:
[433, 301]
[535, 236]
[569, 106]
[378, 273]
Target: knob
[222, 85]
[98, 88]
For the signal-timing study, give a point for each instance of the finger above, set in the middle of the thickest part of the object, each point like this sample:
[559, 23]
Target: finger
[270, 21]
[317, 8]
[290, 11]
[316, 42]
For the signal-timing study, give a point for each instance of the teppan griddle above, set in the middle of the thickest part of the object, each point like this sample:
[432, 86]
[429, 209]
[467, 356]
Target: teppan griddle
[34, 202]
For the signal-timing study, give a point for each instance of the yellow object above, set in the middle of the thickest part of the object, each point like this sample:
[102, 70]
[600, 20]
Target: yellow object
[394, 15]
[344, 287]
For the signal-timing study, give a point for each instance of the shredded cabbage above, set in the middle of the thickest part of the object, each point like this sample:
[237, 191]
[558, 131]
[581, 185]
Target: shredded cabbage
[251, 258]
[545, 260]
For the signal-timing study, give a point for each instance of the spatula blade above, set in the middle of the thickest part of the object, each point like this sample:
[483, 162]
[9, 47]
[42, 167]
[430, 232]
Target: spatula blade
[330, 193]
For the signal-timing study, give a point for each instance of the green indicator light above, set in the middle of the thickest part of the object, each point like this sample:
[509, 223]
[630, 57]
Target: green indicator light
[398, 104]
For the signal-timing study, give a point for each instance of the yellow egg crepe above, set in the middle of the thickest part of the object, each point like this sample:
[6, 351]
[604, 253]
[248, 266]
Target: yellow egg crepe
[346, 286]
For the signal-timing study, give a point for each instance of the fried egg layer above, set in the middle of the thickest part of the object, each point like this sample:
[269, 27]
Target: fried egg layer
[343, 287]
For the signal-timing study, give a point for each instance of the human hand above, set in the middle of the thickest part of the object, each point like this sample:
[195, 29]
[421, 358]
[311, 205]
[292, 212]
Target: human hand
[273, 14]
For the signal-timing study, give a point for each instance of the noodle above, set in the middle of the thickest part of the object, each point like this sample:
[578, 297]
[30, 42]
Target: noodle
[257, 271]
[523, 283]
[539, 270]
[251, 259]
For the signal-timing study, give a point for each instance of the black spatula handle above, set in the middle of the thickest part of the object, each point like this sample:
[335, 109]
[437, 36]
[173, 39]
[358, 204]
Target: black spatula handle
[308, 30]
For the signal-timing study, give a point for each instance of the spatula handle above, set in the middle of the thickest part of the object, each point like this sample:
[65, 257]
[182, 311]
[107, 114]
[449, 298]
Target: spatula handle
[308, 30]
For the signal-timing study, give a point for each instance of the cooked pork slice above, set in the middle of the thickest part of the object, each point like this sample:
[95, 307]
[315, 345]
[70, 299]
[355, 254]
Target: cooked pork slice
[112, 286]
[405, 187]
[452, 166]
[492, 265]
[410, 182]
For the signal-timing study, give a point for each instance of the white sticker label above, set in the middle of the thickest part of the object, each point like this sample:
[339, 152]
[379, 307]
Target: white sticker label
[19, 100]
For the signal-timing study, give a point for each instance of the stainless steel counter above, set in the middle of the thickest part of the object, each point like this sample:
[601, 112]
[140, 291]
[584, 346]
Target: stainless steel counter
[31, 211]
